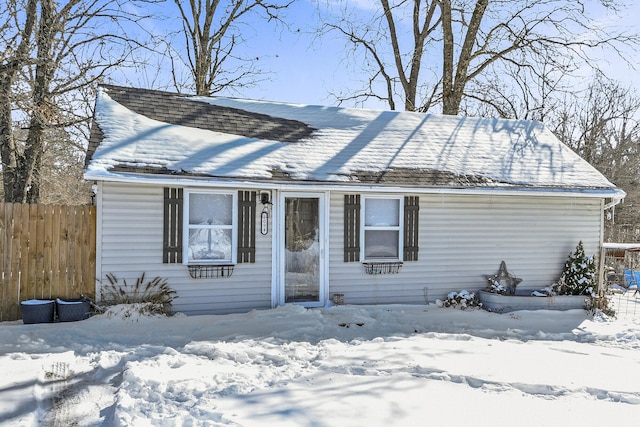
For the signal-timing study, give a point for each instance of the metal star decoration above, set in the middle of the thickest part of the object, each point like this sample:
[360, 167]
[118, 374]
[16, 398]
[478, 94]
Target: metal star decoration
[503, 281]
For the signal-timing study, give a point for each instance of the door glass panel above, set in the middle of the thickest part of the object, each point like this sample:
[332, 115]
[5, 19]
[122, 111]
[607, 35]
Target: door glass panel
[302, 250]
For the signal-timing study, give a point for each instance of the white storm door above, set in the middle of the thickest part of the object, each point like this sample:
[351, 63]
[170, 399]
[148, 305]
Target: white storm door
[302, 241]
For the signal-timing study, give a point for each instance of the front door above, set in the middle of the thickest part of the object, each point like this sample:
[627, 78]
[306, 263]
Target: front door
[302, 249]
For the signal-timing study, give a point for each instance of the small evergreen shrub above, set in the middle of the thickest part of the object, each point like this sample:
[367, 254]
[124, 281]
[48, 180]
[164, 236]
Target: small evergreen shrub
[461, 300]
[156, 294]
[578, 274]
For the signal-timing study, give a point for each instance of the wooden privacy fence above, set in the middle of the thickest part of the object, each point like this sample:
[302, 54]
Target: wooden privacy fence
[46, 251]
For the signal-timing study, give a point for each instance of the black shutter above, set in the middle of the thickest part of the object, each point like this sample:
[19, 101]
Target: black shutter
[247, 226]
[351, 227]
[172, 227]
[411, 224]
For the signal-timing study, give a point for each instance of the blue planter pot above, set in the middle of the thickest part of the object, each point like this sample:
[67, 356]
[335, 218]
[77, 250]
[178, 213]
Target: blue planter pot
[37, 311]
[72, 310]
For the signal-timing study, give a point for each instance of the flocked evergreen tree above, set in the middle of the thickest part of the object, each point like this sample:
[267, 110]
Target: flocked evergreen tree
[578, 275]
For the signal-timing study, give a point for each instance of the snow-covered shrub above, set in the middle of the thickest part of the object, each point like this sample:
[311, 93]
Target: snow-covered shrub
[461, 300]
[133, 312]
[578, 275]
[494, 286]
[155, 296]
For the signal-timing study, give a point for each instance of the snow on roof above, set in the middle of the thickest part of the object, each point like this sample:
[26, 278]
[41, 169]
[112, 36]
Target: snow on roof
[631, 247]
[336, 145]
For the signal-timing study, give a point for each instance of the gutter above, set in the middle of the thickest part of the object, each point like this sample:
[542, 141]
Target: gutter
[615, 194]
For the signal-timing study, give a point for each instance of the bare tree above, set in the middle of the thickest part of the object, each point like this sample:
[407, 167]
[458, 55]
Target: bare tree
[533, 93]
[61, 179]
[397, 68]
[602, 124]
[48, 67]
[212, 31]
[16, 55]
[464, 42]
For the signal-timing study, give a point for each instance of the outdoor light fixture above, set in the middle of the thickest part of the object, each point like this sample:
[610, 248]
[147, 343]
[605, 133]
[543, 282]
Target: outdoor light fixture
[94, 192]
[264, 198]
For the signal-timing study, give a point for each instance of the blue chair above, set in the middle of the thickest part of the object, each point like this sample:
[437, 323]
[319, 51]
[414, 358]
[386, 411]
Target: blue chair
[632, 278]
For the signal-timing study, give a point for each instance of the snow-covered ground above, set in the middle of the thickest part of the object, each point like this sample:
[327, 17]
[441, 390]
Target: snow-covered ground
[337, 366]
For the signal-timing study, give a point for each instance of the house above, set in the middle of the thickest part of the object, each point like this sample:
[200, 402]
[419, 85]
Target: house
[243, 204]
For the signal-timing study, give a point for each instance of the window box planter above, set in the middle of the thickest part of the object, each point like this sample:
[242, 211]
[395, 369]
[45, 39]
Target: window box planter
[382, 267]
[210, 271]
[523, 300]
[37, 311]
[72, 310]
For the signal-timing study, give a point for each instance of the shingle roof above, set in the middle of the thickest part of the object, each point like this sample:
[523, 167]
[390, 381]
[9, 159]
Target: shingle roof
[175, 109]
[152, 132]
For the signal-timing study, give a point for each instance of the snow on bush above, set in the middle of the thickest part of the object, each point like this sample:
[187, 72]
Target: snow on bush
[578, 275]
[461, 300]
[495, 287]
[143, 298]
[134, 311]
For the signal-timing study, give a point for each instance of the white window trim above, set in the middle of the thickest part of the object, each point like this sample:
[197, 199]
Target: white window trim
[399, 227]
[234, 227]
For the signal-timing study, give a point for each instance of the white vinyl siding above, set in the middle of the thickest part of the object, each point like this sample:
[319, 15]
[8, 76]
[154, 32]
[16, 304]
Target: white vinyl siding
[131, 244]
[461, 239]
[464, 237]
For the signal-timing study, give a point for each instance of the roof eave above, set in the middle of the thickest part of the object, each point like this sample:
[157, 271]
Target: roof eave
[193, 181]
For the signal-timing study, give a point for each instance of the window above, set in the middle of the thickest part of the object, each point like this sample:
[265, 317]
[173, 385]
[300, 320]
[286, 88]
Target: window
[408, 208]
[210, 225]
[382, 236]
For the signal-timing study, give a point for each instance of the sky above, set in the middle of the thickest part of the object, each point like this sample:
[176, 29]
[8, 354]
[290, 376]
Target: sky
[388, 365]
[303, 68]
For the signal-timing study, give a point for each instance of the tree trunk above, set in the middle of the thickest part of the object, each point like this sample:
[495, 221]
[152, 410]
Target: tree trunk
[453, 85]
[448, 107]
[7, 142]
[420, 32]
[27, 182]
[9, 150]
